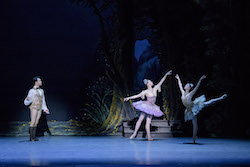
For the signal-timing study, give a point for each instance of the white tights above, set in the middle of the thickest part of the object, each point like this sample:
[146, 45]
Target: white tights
[35, 116]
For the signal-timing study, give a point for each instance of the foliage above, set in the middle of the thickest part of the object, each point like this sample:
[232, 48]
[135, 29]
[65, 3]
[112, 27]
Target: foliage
[97, 108]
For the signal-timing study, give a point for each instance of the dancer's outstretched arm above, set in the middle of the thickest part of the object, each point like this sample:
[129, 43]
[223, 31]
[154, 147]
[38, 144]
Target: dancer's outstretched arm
[197, 86]
[179, 83]
[140, 95]
[158, 86]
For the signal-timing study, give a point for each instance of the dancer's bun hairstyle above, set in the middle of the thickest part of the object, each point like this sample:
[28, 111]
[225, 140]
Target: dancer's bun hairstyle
[145, 81]
[191, 85]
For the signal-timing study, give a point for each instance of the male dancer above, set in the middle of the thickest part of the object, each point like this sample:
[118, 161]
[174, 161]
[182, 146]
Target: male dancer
[37, 103]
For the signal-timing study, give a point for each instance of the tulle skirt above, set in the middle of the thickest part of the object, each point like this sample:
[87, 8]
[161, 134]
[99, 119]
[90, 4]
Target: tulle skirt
[198, 105]
[148, 108]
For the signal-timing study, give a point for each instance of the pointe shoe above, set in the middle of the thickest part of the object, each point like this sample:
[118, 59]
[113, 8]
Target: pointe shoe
[150, 139]
[194, 138]
[132, 136]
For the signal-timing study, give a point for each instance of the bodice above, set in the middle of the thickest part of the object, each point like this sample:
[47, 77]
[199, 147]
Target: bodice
[151, 99]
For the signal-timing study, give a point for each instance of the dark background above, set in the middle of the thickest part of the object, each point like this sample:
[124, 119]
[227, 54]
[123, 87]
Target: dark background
[52, 39]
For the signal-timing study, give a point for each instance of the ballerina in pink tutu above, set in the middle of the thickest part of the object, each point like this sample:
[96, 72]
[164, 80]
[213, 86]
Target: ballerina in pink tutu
[194, 107]
[147, 107]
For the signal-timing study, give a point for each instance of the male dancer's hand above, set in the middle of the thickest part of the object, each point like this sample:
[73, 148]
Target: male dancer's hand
[47, 111]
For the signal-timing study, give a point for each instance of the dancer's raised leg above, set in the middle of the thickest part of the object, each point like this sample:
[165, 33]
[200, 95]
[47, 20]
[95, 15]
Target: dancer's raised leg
[138, 124]
[212, 101]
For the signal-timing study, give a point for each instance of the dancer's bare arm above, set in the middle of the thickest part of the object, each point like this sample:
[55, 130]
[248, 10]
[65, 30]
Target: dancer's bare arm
[179, 83]
[140, 95]
[158, 86]
[197, 86]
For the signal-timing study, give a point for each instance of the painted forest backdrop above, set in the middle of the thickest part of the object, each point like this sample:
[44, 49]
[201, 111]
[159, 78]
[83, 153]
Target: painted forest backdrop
[191, 37]
[93, 53]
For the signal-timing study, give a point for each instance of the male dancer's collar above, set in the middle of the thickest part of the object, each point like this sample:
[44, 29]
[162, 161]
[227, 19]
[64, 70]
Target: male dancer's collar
[35, 88]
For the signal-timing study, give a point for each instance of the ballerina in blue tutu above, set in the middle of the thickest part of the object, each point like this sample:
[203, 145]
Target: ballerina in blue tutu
[147, 107]
[194, 107]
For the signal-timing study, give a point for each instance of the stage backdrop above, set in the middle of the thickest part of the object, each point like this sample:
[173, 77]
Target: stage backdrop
[91, 54]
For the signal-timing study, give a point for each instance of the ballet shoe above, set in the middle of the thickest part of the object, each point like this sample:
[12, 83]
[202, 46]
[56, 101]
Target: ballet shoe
[194, 139]
[150, 139]
[132, 136]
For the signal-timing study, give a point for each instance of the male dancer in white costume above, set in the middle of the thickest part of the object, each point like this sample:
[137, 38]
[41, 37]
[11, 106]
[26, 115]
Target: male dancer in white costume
[36, 100]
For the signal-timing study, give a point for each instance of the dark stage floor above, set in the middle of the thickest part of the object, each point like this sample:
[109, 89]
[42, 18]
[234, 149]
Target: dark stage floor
[114, 150]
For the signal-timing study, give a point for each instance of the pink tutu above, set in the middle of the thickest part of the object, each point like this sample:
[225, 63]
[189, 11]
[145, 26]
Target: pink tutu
[149, 107]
